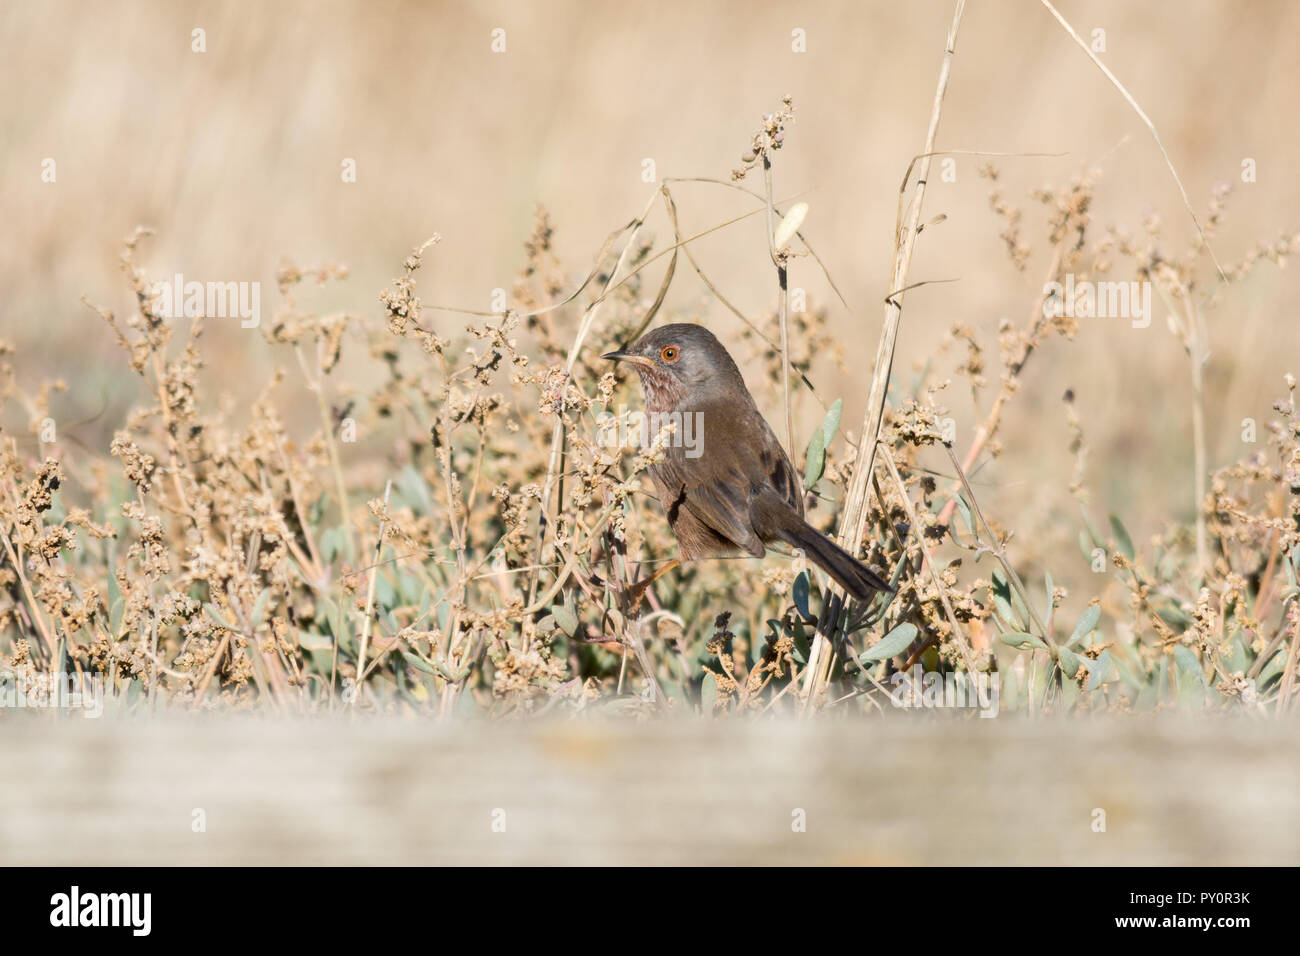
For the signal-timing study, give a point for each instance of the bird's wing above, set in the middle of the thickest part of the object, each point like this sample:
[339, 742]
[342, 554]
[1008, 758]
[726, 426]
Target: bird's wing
[778, 471]
[718, 487]
[717, 497]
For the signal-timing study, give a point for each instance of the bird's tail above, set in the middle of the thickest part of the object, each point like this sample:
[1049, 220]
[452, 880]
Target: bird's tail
[850, 573]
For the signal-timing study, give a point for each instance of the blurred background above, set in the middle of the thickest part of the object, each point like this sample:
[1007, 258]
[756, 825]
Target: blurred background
[234, 156]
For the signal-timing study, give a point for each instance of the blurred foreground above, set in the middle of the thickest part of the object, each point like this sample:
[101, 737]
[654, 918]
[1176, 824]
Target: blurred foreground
[881, 792]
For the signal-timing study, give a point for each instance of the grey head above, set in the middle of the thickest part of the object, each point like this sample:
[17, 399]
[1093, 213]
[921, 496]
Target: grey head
[682, 363]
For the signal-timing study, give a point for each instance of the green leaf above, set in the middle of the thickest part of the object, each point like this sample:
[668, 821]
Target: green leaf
[339, 623]
[1272, 668]
[1087, 623]
[964, 509]
[831, 423]
[418, 662]
[1128, 674]
[1022, 612]
[1070, 662]
[467, 706]
[410, 588]
[1174, 616]
[412, 488]
[1122, 540]
[1188, 663]
[385, 596]
[331, 544]
[1022, 640]
[814, 462]
[891, 645]
[565, 618]
[801, 594]
[313, 641]
[802, 647]
[815, 456]
[215, 616]
[1008, 602]
[1005, 615]
[1235, 657]
[708, 693]
[1101, 671]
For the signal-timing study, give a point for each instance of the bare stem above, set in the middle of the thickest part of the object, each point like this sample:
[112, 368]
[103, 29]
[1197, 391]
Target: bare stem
[854, 519]
[783, 298]
[370, 597]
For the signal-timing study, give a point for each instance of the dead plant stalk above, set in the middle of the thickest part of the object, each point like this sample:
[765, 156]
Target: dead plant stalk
[853, 521]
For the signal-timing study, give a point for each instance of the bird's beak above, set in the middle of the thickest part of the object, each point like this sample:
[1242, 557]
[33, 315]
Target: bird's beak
[626, 356]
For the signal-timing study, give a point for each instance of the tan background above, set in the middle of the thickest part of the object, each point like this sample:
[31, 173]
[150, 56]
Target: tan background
[233, 155]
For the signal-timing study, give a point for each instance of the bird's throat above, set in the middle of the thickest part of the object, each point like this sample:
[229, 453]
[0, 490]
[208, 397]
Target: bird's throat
[662, 390]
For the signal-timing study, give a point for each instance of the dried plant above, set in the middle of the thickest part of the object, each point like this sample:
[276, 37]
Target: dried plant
[470, 531]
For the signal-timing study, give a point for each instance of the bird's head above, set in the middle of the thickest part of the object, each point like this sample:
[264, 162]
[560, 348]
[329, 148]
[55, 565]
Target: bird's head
[680, 361]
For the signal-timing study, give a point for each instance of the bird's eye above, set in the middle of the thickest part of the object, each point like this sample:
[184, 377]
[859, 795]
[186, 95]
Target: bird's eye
[669, 354]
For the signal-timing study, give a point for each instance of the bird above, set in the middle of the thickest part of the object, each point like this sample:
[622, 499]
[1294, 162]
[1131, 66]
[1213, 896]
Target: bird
[732, 490]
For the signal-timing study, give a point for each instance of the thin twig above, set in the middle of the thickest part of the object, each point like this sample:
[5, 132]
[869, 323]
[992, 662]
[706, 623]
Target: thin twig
[1149, 125]
[853, 520]
[783, 298]
[370, 596]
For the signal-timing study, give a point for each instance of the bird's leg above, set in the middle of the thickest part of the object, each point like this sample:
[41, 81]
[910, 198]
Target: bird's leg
[838, 637]
[926, 644]
[636, 592]
[854, 614]
[861, 614]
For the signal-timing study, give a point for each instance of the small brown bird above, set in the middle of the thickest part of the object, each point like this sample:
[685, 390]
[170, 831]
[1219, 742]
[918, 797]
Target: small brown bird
[732, 488]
